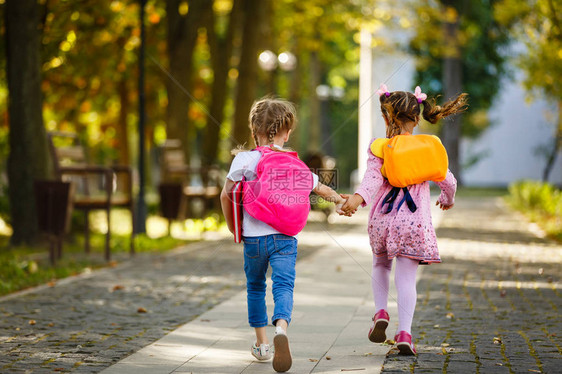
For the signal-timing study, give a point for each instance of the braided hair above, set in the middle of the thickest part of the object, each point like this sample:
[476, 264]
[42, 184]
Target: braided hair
[269, 117]
[401, 107]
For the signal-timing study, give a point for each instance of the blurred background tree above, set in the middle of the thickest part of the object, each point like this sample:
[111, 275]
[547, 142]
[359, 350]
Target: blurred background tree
[459, 47]
[204, 69]
[538, 26]
[202, 76]
[27, 137]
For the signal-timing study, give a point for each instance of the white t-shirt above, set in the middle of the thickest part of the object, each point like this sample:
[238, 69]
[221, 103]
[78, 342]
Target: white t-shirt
[244, 165]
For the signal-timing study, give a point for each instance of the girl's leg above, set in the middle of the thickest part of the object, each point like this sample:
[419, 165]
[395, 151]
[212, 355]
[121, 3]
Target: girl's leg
[380, 280]
[282, 258]
[405, 280]
[255, 267]
[261, 336]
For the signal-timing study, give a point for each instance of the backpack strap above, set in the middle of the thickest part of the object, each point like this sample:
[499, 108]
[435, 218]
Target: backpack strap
[409, 201]
[391, 196]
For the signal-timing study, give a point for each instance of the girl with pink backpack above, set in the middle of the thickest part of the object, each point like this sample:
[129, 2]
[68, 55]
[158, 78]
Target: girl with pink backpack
[276, 190]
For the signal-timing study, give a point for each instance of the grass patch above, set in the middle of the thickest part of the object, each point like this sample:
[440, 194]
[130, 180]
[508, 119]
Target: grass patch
[541, 202]
[481, 192]
[27, 266]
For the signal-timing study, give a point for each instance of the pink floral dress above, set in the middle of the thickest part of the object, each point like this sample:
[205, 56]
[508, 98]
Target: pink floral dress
[401, 232]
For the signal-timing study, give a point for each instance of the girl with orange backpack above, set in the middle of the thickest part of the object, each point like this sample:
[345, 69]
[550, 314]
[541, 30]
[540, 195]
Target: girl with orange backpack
[276, 188]
[398, 171]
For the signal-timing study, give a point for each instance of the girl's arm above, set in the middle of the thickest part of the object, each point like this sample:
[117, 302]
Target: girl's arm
[370, 184]
[328, 194]
[226, 204]
[448, 189]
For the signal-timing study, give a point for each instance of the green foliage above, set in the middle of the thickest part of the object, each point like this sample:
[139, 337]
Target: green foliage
[482, 42]
[330, 29]
[542, 202]
[536, 23]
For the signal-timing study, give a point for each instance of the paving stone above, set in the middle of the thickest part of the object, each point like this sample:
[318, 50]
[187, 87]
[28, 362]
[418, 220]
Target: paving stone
[492, 306]
[88, 315]
[488, 324]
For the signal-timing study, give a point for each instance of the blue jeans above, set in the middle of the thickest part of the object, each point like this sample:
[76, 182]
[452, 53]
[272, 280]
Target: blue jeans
[259, 252]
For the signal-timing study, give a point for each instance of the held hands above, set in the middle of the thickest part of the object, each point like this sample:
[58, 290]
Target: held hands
[351, 204]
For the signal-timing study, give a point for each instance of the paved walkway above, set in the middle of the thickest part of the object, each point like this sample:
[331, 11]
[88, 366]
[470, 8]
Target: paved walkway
[492, 306]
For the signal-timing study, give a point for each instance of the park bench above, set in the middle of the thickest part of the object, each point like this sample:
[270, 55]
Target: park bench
[96, 187]
[182, 184]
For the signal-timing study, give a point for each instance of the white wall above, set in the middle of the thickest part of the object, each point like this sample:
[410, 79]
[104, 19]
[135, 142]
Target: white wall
[510, 144]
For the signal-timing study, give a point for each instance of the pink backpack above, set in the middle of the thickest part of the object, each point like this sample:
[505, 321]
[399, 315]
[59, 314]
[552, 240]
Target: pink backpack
[279, 196]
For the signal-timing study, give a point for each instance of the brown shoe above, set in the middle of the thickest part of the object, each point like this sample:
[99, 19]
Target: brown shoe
[282, 359]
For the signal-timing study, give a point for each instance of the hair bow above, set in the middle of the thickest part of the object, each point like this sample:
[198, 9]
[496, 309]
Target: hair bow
[383, 90]
[419, 95]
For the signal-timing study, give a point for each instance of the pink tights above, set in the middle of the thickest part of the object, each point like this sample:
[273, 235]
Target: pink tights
[405, 280]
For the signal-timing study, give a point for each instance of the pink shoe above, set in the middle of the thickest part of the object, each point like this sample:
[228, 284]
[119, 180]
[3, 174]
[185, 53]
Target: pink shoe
[380, 322]
[404, 343]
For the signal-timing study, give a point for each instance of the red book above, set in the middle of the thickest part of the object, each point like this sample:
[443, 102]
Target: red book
[236, 199]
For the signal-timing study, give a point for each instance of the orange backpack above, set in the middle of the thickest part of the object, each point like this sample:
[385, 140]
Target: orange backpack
[411, 159]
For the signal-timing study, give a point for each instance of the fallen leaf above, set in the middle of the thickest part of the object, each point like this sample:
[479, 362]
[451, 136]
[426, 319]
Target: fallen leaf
[497, 340]
[58, 369]
[445, 344]
[51, 283]
[436, 326]
[450, 315]
[437, 307]
[32, 322]
[503, 293]
[312, 360]
[328, 358]
[499, 364]
[338, 269]
[534, 371]
[541, 271]
[141, 310]
[118, 287]
[368, 354]
[18, 329]
[112, 264]
[389, 342]
[113, 324]
[51, 324]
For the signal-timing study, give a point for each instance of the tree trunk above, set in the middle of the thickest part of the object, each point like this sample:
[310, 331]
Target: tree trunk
[248, 69]
[314, 130]
[181, 39]
[556, 147]
[221, 53]
[28, 158]
[122, 132]
[452, 84]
